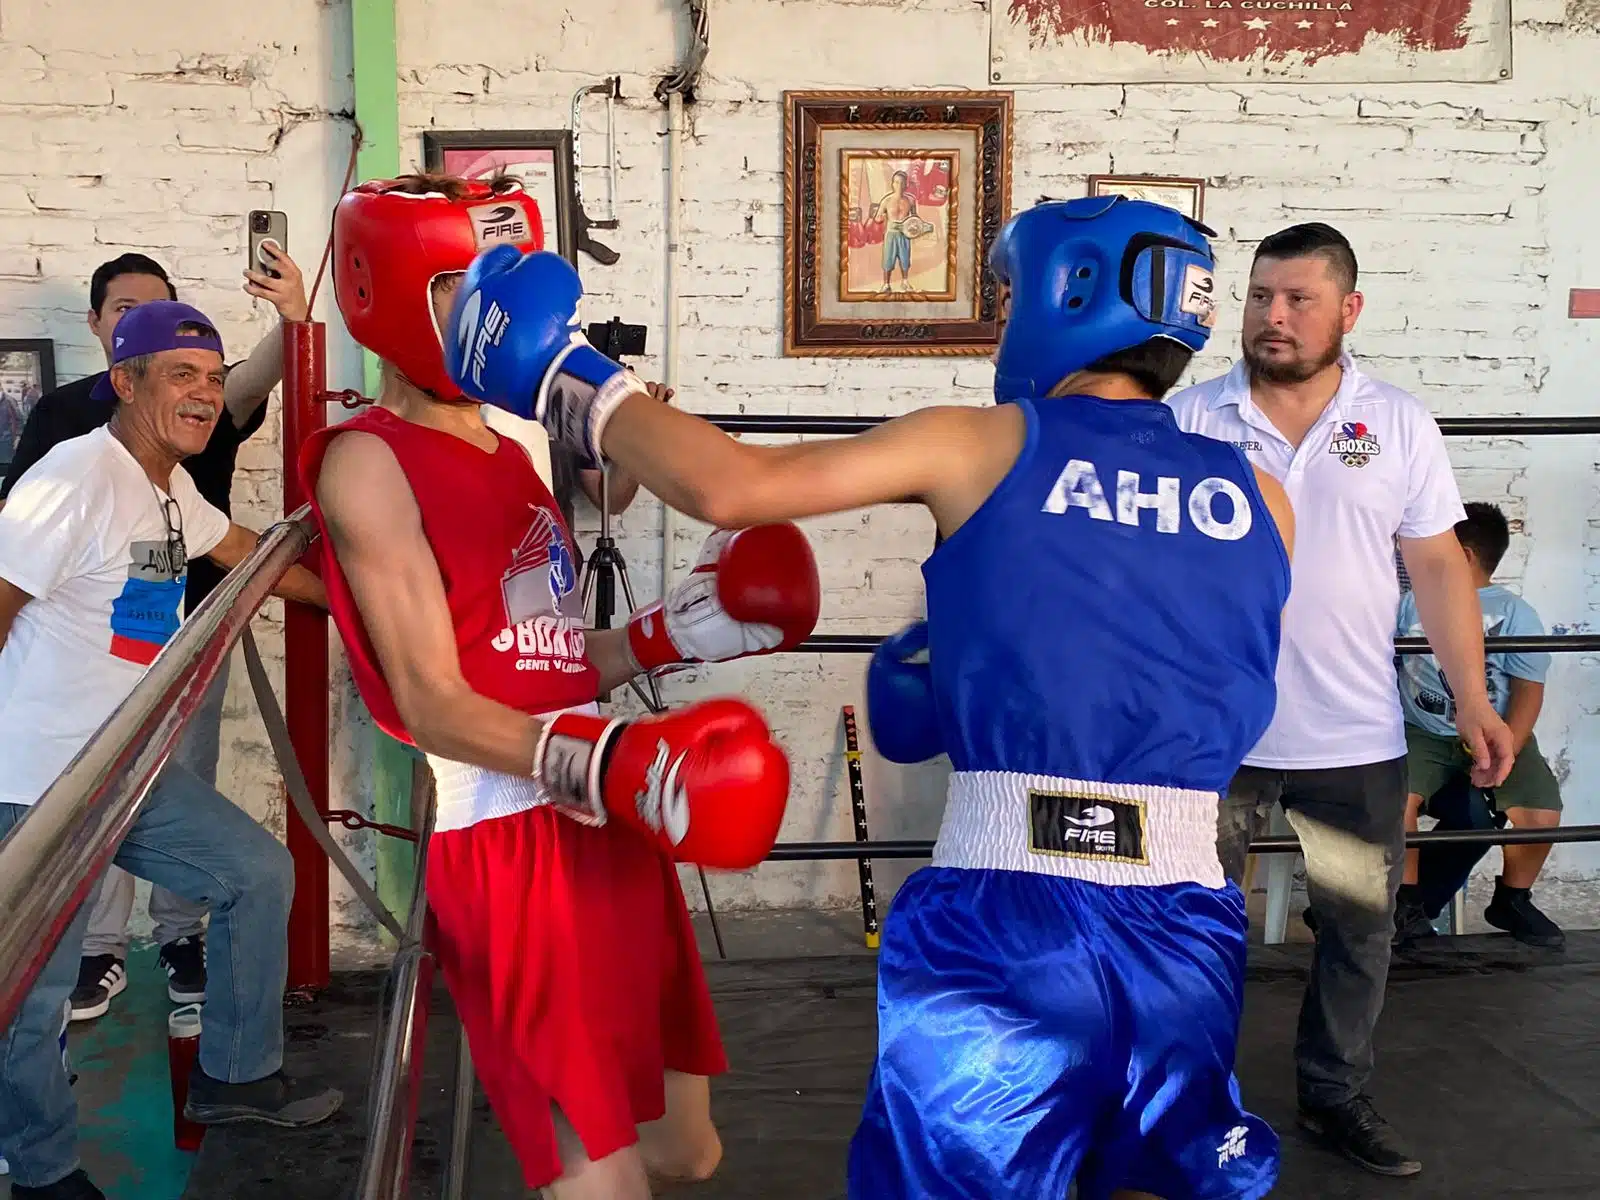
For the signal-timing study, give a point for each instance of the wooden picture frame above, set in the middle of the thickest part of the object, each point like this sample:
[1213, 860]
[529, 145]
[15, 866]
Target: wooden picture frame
[1187, 196]
[541, 158]
[27, 371]
[880, 182]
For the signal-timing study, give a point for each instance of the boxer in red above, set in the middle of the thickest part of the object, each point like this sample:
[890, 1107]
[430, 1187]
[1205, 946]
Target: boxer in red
[560, 925]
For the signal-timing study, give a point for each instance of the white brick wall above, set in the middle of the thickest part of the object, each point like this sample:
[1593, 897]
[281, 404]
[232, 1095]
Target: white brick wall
[1469, 205]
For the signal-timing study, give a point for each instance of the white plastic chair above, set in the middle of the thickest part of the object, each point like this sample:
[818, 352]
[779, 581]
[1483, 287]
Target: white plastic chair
[1280, 887]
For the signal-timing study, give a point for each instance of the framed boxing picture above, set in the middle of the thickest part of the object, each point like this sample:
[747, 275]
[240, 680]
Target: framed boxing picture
[540, 158]
[892, 201]
[1188, 196]
[27, 371]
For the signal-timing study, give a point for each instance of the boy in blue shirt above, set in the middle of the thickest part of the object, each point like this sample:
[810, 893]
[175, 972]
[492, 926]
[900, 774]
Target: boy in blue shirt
[1530, 796]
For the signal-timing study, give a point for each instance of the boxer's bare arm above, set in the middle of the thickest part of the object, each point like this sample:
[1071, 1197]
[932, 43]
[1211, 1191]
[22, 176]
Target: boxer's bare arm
[375, 531]
[1278, 505]
[608, 651]
[949, 459]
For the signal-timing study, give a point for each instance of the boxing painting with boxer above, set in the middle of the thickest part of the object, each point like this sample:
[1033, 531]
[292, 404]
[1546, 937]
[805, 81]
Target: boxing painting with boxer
[1060, 991]
[559, 923]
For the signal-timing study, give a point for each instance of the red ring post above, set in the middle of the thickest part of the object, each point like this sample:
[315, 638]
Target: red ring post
[305, 684]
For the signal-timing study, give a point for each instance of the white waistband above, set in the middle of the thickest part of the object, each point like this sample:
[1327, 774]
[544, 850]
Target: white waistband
[465, 795]
[1109, 833]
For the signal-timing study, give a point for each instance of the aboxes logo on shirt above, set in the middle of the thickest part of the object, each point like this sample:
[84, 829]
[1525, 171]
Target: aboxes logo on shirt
[1354, 444]
[144, 616]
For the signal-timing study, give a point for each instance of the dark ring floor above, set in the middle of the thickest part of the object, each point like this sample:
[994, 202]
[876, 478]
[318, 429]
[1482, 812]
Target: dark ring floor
[1488, 1061]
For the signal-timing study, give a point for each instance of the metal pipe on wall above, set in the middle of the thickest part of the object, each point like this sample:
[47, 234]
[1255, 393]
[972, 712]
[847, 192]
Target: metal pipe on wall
[672, 333]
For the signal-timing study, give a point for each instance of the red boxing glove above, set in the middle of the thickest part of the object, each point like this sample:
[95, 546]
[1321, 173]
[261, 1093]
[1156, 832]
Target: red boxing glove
[706, 783]
[752, 591]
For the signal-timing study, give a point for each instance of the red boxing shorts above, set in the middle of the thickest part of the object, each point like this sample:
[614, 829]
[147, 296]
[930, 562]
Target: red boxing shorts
[572, 962]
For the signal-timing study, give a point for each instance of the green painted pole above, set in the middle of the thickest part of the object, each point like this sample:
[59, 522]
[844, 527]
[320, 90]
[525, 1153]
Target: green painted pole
[377, 69]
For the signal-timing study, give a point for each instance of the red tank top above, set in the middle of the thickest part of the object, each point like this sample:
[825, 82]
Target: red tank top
[509, 572]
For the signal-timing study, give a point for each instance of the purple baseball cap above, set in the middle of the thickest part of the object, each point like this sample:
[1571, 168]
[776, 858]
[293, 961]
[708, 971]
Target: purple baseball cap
[153, 327]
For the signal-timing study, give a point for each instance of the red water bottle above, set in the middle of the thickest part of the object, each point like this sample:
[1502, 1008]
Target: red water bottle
[183, 1045]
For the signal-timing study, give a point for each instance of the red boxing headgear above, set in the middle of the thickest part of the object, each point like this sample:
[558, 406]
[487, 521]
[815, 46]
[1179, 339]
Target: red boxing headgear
[389, 245]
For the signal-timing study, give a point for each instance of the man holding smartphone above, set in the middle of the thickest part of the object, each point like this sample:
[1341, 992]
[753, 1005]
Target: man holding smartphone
[81, 407]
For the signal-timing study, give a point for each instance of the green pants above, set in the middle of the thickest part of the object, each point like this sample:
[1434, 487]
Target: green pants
[1433, 761]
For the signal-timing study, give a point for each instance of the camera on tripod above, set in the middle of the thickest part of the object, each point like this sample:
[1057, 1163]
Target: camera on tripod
[616, 339]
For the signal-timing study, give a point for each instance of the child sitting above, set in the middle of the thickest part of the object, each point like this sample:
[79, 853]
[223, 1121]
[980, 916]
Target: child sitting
[1530, 796]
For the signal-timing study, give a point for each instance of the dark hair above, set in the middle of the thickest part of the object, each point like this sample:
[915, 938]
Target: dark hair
[1485, 532]
[452, 187]
[1314, 240]
[1155, 365]
[124, 264]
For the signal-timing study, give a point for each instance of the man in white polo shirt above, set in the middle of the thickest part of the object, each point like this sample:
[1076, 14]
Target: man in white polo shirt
[1364, 464]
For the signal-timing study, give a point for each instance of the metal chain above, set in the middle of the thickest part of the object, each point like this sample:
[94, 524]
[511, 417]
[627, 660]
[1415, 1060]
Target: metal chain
[354, 820]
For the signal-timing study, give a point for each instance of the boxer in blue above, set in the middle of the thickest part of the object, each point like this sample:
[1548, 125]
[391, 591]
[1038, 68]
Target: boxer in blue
[1060, 991]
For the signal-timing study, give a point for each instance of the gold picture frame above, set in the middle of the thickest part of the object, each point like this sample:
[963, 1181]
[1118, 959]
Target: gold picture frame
[1187, 196]
[893, 200]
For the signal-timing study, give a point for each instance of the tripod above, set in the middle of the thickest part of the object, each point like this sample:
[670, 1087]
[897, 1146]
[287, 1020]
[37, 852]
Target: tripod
[603, 570]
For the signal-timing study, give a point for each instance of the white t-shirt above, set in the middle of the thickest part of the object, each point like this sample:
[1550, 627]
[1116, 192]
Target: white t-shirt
[85, 533]
[1372, 467]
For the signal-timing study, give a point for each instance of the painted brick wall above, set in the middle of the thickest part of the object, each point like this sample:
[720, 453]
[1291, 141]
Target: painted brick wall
[1469, 206]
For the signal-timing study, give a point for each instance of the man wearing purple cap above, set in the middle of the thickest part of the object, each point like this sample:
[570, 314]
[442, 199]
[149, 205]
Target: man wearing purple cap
[82, 406]
[94, 549]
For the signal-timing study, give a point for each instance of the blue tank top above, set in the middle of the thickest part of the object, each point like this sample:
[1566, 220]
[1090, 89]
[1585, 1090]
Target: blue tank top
[1111, 612]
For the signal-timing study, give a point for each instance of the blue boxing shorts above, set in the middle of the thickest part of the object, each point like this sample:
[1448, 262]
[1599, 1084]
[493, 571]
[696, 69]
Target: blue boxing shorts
[1034, 1029]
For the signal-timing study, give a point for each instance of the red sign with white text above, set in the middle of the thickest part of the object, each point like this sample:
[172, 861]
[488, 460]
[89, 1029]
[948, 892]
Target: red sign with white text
[1222, 41]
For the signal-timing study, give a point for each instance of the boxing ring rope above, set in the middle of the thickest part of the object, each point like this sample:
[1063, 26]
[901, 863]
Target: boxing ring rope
[1289, 844]
[1568, 643]
[1449, 426]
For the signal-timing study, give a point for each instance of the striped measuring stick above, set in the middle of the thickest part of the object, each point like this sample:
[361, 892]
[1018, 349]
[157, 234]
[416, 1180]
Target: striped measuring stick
[858, 810]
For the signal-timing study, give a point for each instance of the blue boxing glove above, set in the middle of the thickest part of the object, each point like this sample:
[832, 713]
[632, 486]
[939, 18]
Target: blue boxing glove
[514, 342]
[900, 709]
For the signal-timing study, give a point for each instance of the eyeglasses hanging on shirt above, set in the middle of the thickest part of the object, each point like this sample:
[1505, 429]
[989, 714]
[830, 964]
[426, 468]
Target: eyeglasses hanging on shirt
[177, 552]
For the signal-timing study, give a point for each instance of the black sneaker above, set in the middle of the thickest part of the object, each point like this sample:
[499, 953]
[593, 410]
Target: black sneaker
[100, 977]
[275, 1100]
[1411, 923]
[185, 961]
[1513, 910]
[74, 1187]
[1356, 1131]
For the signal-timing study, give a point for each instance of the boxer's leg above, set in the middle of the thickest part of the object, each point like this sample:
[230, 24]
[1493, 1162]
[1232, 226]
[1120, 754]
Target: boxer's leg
[683, 1146]
[994, 1034]
[617, 1176]
[1174, 957]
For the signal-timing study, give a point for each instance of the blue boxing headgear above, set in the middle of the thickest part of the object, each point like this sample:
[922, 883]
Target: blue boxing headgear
[1094, 276]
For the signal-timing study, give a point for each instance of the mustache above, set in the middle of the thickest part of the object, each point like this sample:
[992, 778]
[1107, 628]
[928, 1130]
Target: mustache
[193, 409]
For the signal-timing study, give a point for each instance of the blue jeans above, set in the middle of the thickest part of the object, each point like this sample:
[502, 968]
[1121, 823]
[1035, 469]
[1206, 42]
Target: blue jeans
[110, 904]
[196, 843]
